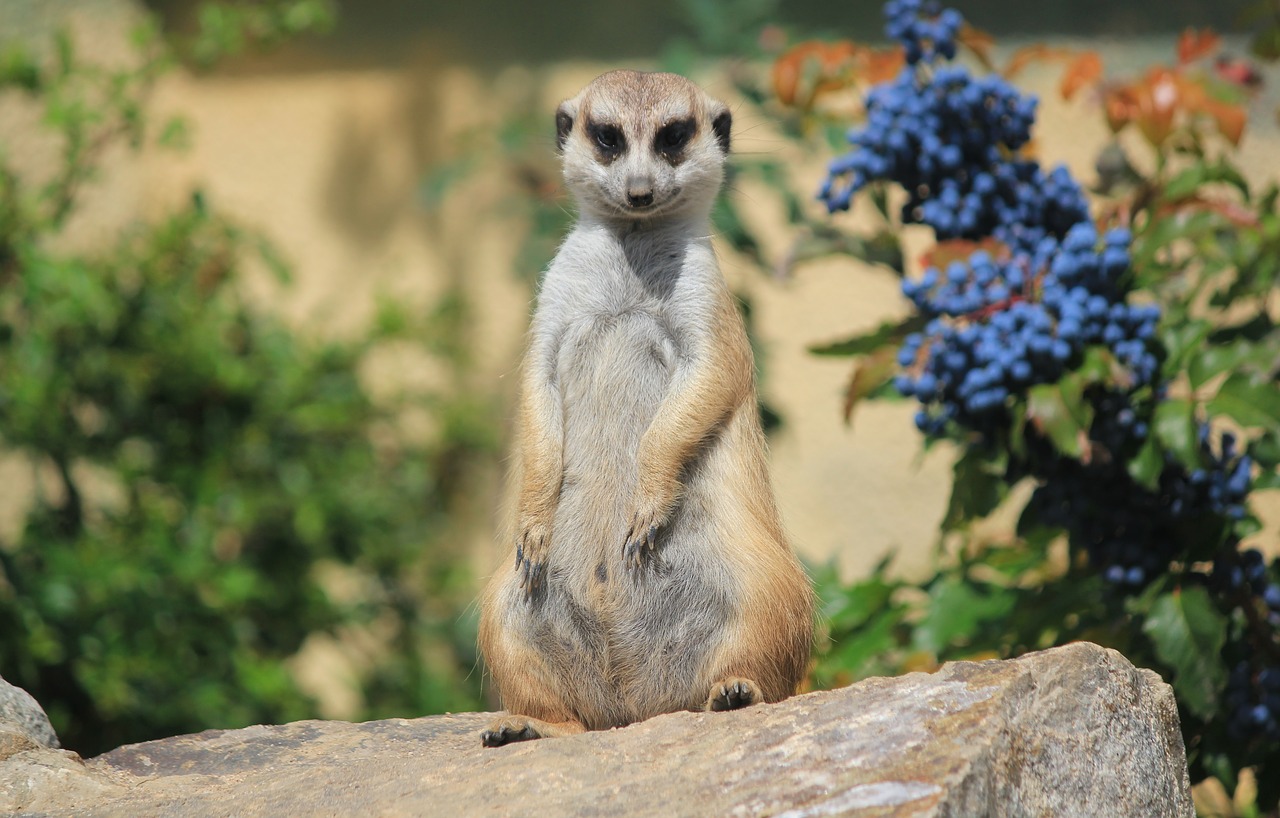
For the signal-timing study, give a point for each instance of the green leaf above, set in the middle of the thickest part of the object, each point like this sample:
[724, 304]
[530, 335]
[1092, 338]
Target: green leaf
[176, 134]
[1265, 449]
[1058, 412]
[955, 612]
[883, 248]
[854, 606]
[977, 487]
[1266, 44]
[1181, 341]
[1214, 360]
[890, 332]
[1188, 633]
[1147, 464]
[858, 649]
[17, 68]
[728, 223]
[870, 376]
[1175, 428]
[1248, 401]
[1189, 181]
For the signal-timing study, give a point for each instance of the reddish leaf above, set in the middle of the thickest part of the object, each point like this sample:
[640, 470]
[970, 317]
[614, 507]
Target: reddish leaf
[1120, 104]
[1193, 44]
[1028, 54]
[1159, 96]
[869, 373]
[811, 68]
[1229, 118]
[1233, 212]
[881, 65]
[1083, 71]
[979, 42]
[945, 252]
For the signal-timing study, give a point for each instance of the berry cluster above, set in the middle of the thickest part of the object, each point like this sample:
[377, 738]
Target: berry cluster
[1252, 695]
[1253, 701]
[1001, 326]
[1130, 532]
[923, 28]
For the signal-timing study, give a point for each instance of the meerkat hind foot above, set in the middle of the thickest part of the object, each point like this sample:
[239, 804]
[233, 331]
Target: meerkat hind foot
[510, 729]
[733, 694]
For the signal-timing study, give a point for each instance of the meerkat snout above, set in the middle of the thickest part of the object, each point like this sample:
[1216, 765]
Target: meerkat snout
[640, 145]
[640, 191]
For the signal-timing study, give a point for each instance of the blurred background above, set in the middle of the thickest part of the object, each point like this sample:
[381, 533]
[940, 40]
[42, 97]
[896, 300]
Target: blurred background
[278, 266]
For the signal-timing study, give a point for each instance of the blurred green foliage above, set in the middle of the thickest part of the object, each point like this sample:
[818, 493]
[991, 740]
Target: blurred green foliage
[212, 487]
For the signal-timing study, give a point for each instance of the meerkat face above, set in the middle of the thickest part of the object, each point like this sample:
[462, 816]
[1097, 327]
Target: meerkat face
[643, 145]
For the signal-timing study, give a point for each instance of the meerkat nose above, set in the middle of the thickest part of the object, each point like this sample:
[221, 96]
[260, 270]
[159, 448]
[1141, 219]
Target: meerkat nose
[639, 192]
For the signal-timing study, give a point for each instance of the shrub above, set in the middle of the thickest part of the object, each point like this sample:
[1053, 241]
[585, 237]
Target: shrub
[1107, 371]
[214, 488]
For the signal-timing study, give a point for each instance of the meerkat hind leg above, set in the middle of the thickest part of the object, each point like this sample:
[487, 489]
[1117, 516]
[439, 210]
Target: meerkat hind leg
[510, 729]
[733, 693]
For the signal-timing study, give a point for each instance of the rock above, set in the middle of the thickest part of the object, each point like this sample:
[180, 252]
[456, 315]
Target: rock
[23, 723]
[1074, 731]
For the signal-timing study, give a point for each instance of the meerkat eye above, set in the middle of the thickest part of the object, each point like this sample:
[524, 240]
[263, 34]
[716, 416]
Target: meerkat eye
[608, 137]
[673, 137]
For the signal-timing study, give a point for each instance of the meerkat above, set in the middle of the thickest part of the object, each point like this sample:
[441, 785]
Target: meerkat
[651, 573]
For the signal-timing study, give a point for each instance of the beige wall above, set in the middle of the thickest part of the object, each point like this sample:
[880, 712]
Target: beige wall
[329, 165]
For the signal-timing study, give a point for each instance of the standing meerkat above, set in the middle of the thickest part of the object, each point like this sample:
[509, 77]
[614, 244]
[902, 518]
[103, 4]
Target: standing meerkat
[651, 570]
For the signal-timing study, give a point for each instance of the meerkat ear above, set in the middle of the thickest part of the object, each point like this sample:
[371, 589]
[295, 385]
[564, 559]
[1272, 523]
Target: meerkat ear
[564, 124]
[721, 126]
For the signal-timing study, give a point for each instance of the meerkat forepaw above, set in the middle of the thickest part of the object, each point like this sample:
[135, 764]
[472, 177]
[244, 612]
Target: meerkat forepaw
[642, 536]
[733, 694]
[531, 556]
[639, 543]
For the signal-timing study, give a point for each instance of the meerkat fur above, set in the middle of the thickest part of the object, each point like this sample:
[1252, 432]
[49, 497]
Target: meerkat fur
[651, 573]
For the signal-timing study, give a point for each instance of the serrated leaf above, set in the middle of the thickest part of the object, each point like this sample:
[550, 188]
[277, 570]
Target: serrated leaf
[1188, 633]
[1175, 428]
[1247, 401]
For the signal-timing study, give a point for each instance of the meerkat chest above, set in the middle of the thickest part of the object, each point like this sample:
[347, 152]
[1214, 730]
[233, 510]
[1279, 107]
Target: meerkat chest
[615, 298]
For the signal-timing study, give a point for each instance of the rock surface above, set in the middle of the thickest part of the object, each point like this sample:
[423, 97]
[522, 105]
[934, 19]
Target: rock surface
[23, 723]
[1074, 731]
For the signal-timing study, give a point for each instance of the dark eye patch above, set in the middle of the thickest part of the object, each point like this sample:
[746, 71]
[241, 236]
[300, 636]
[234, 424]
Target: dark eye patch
[672, 138]
[607, 139]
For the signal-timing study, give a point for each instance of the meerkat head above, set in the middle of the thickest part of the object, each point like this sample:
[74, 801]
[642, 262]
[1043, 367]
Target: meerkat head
[641, 146]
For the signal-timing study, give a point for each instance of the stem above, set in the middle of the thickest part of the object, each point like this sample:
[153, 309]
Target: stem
[73, 509]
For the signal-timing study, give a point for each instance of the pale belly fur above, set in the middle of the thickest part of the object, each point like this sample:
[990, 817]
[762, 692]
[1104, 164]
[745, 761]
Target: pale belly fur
[634, 641]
